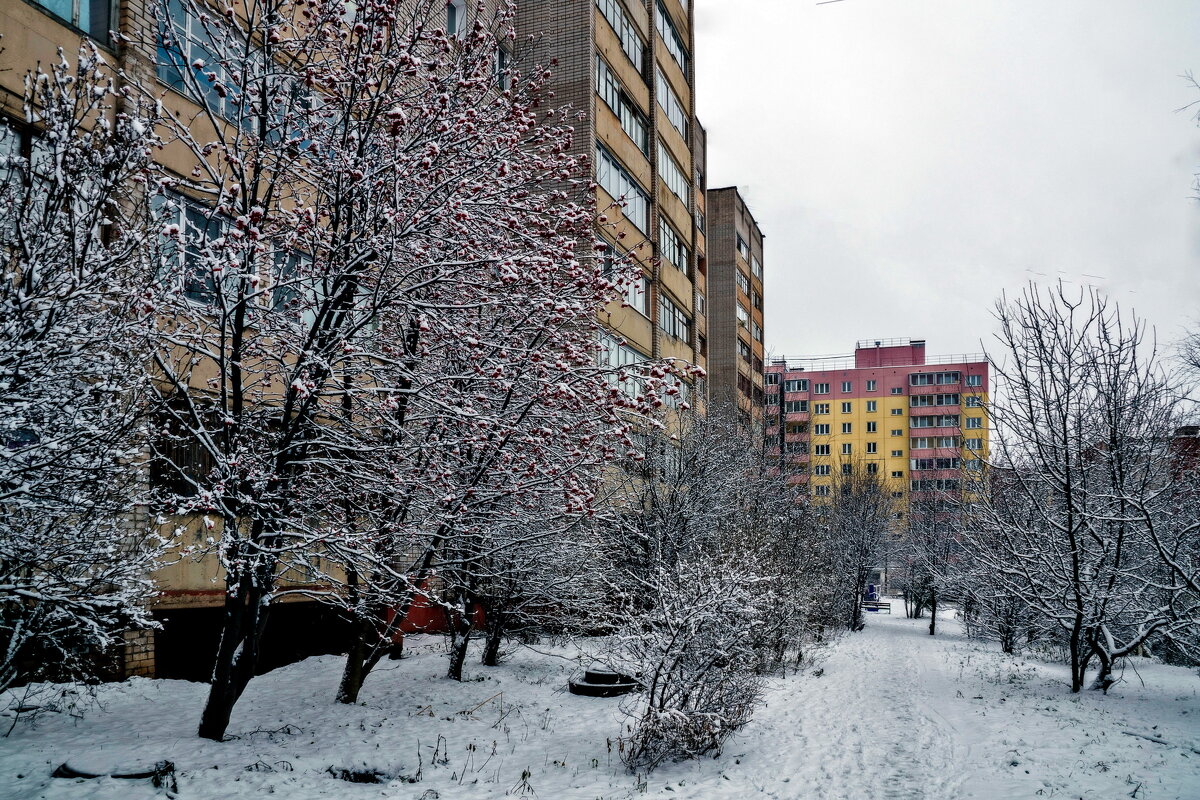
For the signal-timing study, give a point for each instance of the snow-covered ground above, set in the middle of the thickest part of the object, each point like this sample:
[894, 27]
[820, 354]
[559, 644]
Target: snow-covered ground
[893, 714]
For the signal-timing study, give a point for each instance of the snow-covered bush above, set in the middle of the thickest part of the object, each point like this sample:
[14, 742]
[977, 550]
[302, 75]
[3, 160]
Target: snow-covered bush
[74, 278]
[720, 579]
[694, 657]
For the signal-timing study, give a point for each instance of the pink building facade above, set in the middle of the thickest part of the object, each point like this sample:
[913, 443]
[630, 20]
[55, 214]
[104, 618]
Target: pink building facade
[920, 423]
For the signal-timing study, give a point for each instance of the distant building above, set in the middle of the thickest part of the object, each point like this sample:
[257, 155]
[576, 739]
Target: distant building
[919, 423]
[735, 304]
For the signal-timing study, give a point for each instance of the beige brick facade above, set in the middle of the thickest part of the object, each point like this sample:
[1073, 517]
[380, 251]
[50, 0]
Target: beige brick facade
[736, 327]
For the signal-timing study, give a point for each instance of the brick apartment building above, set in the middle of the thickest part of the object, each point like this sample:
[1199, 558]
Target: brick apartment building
[629, 65]
[735, 304]
[917, 422]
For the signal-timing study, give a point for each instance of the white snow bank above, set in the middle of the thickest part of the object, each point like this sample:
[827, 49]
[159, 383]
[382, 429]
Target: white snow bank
[894, 714]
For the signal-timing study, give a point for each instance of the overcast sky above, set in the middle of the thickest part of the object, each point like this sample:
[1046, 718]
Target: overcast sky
[908, 160]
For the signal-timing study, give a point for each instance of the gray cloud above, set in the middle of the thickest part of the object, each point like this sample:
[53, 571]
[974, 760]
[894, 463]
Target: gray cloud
[910, 159]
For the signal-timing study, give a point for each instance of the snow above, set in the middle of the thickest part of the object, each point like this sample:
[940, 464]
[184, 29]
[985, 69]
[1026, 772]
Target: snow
[893, 713]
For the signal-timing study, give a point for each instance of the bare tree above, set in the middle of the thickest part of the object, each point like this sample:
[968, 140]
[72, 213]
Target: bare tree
[1084, 414]
[856, 519]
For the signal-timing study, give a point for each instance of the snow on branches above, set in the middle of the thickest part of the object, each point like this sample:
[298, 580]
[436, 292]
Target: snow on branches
[74, 328]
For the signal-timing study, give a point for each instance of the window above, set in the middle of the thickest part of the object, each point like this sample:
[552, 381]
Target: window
[196, 262]
[671, 248]
[897, 494]
[743, 316]
[795, 428]
[702, 308]
[668, 101]
[456, 16]
[672, 175]
[821, 388]
[743, 350]
[821, 429]
[820, 449]
[756, 331]
[847, 386]
[847, 407]
[934, 421]
[897, 412]
[974, 422]
[929, 442]
[974, 380]
[771, 379]
[933, 378]
[925, 400]
[974, 401]
[897, 432]
[935, 485]
[742, 281]
[188, 62]
[871, 385]
[847, 469]
[666, 29]
[872, 447]
[501, 69]
[897, 454]
[795, 386]
[821, 490]
[742, 248]
[872, 427]
[773, 399]
[637, 295]
[618, 355]
[821, 408]
[623, 188]
[847, 427]
[795, 406]
[631, 43]
[872, 405]
[820, 469]
[897, 473]
[756, 300]
[897, 390]
[756, 268]
[795, 448]
[93, 18]
[920, 464]
[672, 320]
[973, 465]
[973, 444]
[621, 104]
[847, 449]
[872, 468]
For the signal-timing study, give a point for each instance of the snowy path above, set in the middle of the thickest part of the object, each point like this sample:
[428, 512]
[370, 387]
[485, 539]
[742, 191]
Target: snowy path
[868, 727]
[900, 715]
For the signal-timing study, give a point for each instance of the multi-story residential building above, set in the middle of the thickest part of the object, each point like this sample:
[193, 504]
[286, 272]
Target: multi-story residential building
[735, 304]
[628, 65]
[919, 423]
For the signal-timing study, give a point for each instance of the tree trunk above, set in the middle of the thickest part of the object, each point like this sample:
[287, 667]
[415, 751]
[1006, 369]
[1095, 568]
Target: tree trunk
[495, 637]
[458, 647]
[1104, 678]
[237, 656]
[933, 603]
[354, 673]
[1078, 660]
